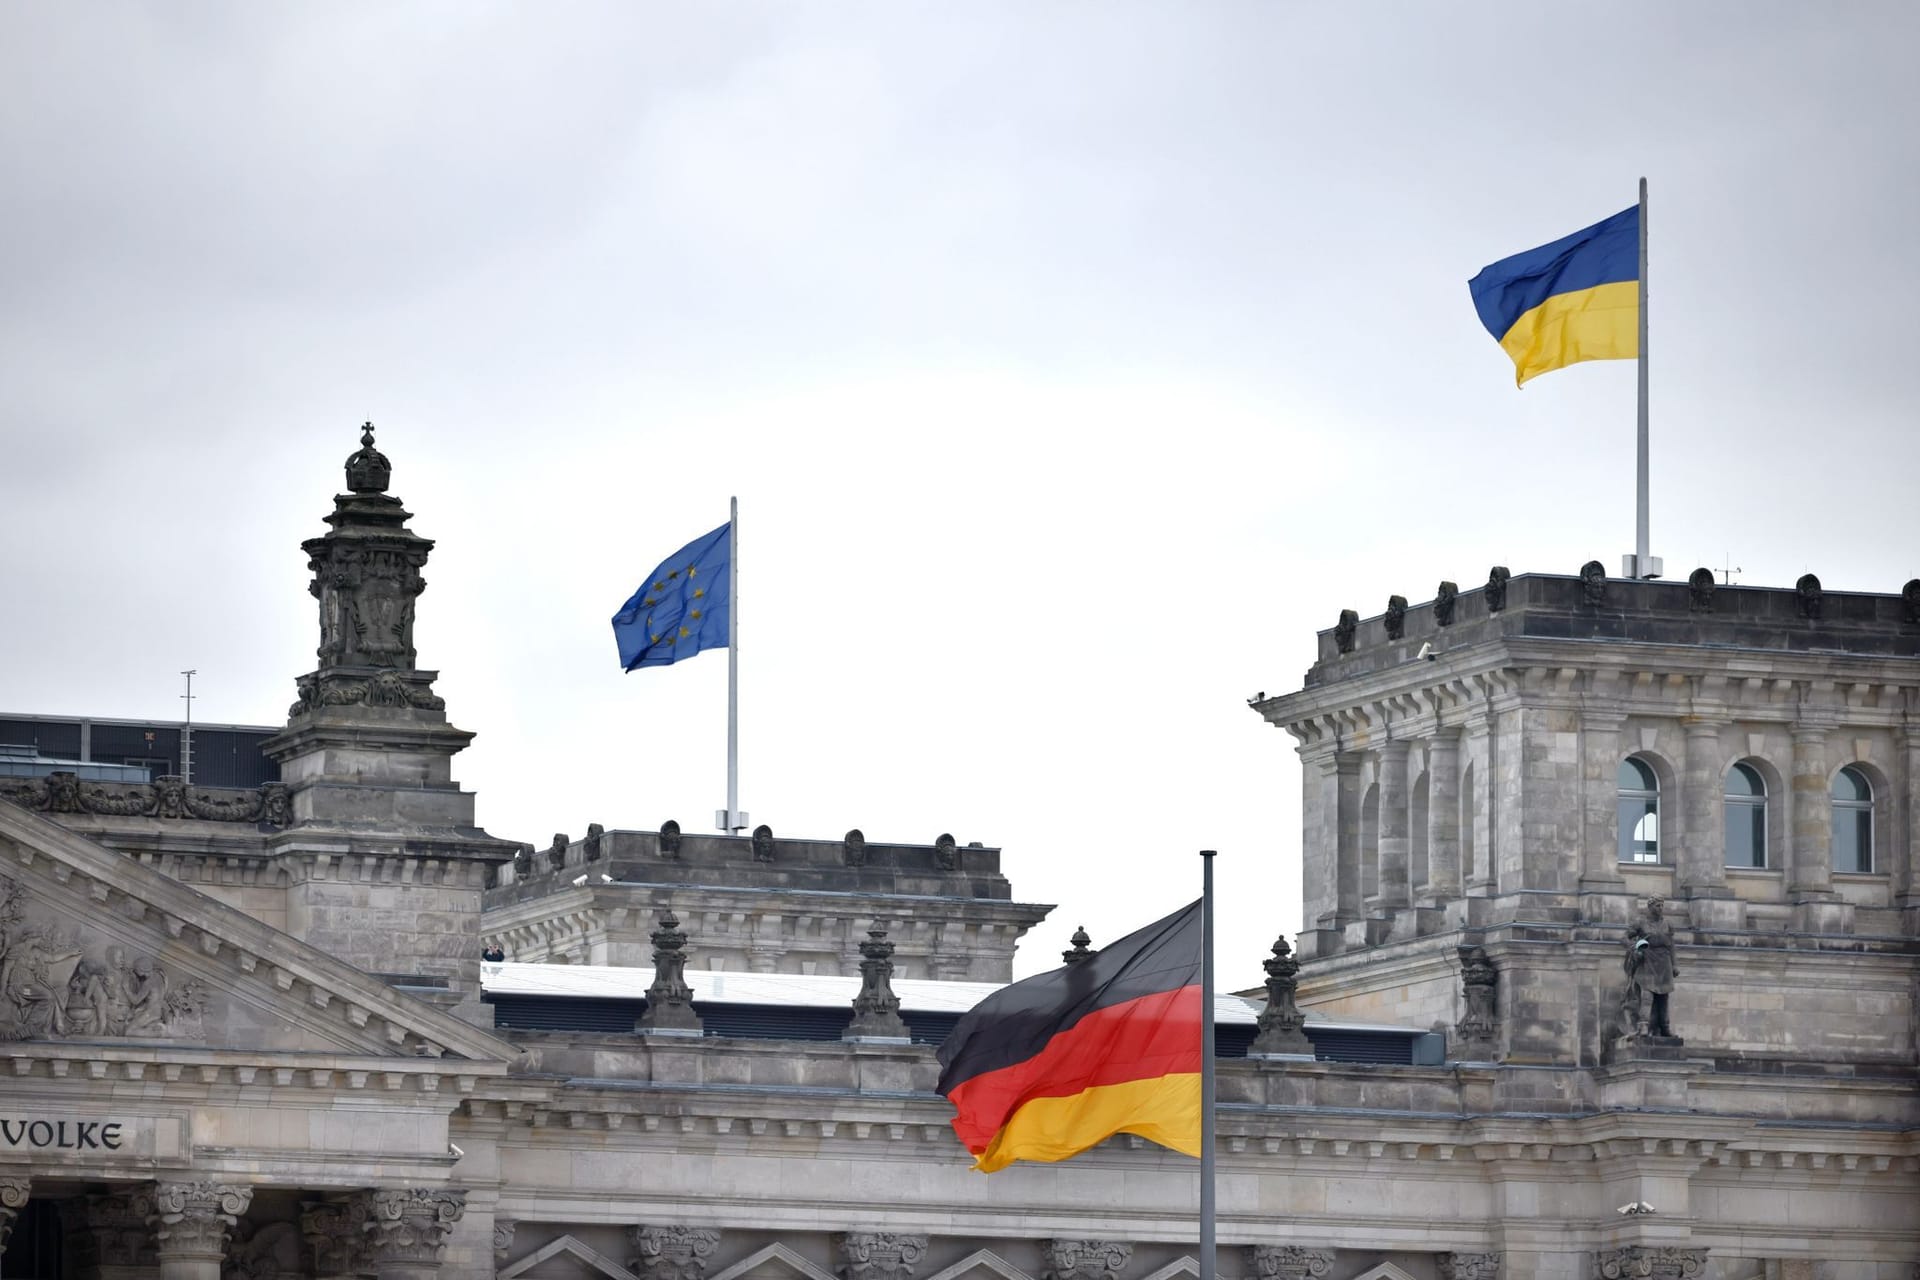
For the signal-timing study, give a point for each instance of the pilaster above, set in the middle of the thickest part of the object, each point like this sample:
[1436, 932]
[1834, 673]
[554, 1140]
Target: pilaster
[1810, 860]
[1600, 808]
[1443, 818]
[1702, 856]
[1394, 840]
[1338, 860]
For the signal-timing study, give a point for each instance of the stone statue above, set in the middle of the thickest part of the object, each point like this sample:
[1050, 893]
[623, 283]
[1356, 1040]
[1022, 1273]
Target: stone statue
[1479, 982]
[1811, 599]
[1910, 597]
[763, 843]
[1344, 629]
[1496, 591]
[1396, 617]
[1650, 966]
[1593, 582]
[557, 852]
[853, 848]
[946, 854]
[670, 839]
[1443, 603]
[596, 841]
[1700, 586]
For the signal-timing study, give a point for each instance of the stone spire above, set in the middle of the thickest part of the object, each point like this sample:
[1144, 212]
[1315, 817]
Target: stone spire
[669, 999]
[1281, 1022]
[876, 1010]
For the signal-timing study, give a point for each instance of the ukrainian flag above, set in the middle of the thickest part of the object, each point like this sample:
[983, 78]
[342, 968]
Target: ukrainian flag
[1575, 299]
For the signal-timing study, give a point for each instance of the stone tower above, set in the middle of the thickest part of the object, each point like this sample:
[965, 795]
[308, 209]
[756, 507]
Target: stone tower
[383, 864]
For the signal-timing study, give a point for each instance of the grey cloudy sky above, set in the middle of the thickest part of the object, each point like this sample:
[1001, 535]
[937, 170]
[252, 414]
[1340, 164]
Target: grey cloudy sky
[1073, 363]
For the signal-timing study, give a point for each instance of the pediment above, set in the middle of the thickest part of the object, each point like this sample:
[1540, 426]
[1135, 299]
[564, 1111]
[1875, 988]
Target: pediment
[586, 1260]
[775, 1262]
[96, 948]
[981, 1260]
[1182, 1266]
[1385, 1271]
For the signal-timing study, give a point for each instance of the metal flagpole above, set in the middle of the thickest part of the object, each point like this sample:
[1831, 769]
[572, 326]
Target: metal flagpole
[1206, 1066]
[735, 820]
[1644, 565]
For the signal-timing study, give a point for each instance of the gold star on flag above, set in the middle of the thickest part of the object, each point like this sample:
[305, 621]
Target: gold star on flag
[683, 633]
[696, 615]
[699, 592]
[690, 569]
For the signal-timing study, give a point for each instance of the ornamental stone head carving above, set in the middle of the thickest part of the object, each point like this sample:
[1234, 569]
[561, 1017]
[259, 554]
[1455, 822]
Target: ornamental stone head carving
[1496, 590]
[1443, 603]
[1396, 617]
[946, 854]
[670, 839]
[853, 848]
[1593, 582]
[1343, 630]
[1910, 599]
[763, 843]
[1700, 586]
[1812, 600]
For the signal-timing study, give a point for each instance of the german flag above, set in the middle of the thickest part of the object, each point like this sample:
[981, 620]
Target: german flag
[1046, 1068]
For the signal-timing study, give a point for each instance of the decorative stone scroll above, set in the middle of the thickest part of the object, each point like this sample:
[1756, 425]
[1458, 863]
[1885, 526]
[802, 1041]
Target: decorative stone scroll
[1287, 1261]
[1643, 1262]
[1281, 1022]
[669, 998]
[1468, 1266]
[503, 1229]
[193, 1220]
[53, 987]
[878, 1255]
[62, 791]
[1084, 1259]
[410, 1225]
[13, 1198]
[672, 1253]
[876, 1010]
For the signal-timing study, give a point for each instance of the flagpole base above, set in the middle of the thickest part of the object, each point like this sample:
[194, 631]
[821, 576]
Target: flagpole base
[731, 819]
[1632, 566]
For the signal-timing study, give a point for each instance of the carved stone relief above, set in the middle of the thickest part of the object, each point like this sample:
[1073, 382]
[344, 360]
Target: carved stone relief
[670, 839]
[672, 1253]
[763, 843]
[878, 1255]
[169, 797]
[411, 1224]
[1812, 599]
[1287, 1261]
[1593, 582]
[1478, 982]
[1468, 1266]
[195, 1219]
[383, 689]
[53, 987]
[336, 1232]
[1642, 1262]
[1084, 1259]
[118, 1228]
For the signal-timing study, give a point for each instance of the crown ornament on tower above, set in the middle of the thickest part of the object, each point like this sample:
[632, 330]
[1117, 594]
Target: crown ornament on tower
[368, 471]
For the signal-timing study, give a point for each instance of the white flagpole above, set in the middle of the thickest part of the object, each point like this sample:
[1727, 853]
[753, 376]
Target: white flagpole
[733, 819]
[1207, 1249]
[1644, 565]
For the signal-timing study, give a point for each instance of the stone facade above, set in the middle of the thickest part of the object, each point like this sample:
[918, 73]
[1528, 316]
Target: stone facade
[248, 1042]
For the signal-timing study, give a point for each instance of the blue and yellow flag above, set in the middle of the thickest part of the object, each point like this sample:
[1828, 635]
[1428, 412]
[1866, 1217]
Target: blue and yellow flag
[682, 606]
[1575, 299]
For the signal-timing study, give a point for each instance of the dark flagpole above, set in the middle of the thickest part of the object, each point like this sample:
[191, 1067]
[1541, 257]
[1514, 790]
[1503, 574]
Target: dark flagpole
[1206, 1066]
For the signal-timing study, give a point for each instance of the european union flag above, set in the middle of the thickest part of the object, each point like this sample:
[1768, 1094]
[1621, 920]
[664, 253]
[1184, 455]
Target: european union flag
[682, 606]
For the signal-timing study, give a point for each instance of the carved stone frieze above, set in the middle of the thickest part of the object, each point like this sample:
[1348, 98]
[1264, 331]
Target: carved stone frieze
[410, 1225]
[195, 1219]
[1084, 1259]
[53, 987]
[1287, 1261]
[1643, 1262]
[876, 1010]
[1468, 1266]
[168, 797]
[1281, 1022]
[379, 689]
[672, 1253]
[878, 1255]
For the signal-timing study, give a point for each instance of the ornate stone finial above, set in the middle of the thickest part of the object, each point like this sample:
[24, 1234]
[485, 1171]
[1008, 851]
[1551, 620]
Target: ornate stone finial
[1396, 617]
[946, 854]
[853, 848]
[1081, 951]
[557, 851]
[411, 1226]
[1478, 982]
[194, 1220]
[1910, 600]
[672, 1253]
[1444, 600]
[1593, 582]
[763, 843]
[1282, 1025]
[1496, 590]
[1287, 1261]
[1700, 586]
[876, 1010]
[368, 471]
[1468, 1266]
[878, 1255]
[1344, 629]
[670, 839]
[1084, 1259]
[1812, 601]
[1642, 1262]
[669, 998]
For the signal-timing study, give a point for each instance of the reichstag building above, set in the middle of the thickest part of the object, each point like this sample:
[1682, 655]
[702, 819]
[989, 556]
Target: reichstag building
[1610, 967]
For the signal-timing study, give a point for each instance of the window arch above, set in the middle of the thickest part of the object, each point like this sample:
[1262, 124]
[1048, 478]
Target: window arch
[1852, 821]
[1746, 808]
[1639, 802]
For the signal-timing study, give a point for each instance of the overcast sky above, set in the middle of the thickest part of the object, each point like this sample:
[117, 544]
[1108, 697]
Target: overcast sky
[1073, 364]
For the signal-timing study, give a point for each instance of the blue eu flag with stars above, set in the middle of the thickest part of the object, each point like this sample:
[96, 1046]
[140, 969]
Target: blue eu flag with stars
[682, 606]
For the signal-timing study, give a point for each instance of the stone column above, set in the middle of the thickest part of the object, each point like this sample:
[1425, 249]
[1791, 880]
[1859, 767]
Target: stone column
[1443, 817]
[1702, 861]
[1906, 827]
[1336, 862]
[192, 1222]
[1394, 842]
[1600, 798]
[410, 1229]
[1476, 807]
[1810, 861]
[120, 1238]
[1287, 1262]
[13, 1198]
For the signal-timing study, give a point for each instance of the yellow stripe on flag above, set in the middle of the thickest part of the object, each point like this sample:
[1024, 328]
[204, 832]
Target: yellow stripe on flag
[1601, 323]
[1162, 1109]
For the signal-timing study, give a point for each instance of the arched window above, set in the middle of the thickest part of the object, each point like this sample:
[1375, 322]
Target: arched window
[1746, 805]
[1639, 811]
[1852, 821]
